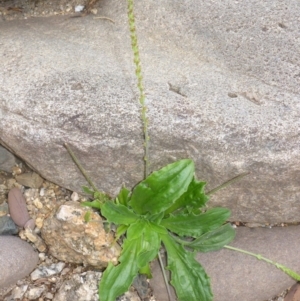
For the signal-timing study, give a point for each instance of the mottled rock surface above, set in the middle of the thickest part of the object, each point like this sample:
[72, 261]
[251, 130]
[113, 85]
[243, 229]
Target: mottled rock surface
[71, 239]
[82, 287]
[222, 83]
[30, 179]
[47, 271]
[17, 260]
[236, 276]
[7, 160]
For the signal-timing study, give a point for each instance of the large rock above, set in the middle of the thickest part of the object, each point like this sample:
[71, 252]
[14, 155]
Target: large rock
[222, 84]
[17, 260]
[236, 276]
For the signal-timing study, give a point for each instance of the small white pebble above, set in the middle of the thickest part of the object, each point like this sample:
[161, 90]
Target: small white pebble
[94, 11]
[30, 235]
[37, 203]
[79, 8]
[65, 271]
[39, 222]
[35, 292]
[42, 256]
[49, 295]
[42, 191]
[22, 235]
[52, 279]
[74, 197]
[18, 292]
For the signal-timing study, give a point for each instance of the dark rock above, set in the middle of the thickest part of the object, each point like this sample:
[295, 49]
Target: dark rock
[7, 160]
[7, 226]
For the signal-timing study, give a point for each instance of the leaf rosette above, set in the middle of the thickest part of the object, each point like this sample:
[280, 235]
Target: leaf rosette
[167, 208]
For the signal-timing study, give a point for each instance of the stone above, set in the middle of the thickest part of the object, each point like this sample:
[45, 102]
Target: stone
[236, 276]
[84, 287]
[79, 242]
[30, 179]
[7, 160]
[141, 285]
[18, 209]
[81, 287]
[294, 293]
[17, 260]
[47, 271]
[3, 209]
[222, 86]
[35, 292]
[130, 296]
[7, 226]
[19, 291]
[34, 238]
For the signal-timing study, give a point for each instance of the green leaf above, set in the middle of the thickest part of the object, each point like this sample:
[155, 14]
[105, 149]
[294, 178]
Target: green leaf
[150, 240]
[162, 188]
[116, 280]
[139, 248]
[194, 197]
[118, 213]
[87, 216]
[187, 275]
[94, 204]
[149, 247]
[213, 240]
[158, 229]
[156, 218]
[146, 270]
[87, 190]
[120, 231]
[123, 196]
[101, 196]
[196, 225]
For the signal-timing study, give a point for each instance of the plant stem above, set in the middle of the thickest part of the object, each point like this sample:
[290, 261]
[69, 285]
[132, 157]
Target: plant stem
[76, 161]
[229, 182]
[283, 268]
[164, 275]
[139, 76]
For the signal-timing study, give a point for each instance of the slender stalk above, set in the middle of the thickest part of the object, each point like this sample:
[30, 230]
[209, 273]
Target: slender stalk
[76, 161]
[164, 275]
[139, 76]
[283, 268]
[229, 182]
